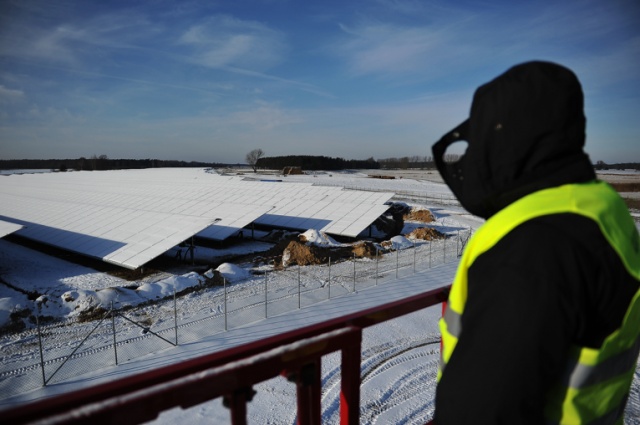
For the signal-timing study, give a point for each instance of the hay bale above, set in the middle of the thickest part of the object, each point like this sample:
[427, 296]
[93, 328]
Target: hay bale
[426, 233]
[303, 255]
[422, 215]
[364, 249]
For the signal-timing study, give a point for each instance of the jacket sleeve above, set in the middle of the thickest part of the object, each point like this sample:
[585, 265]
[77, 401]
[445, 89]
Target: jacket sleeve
[517, 326]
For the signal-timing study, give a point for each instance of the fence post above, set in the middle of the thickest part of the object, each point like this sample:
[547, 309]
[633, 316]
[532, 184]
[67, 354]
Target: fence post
[224, 283]
[430, 242]
[414, 256]
[265, 293]
[113, 328]
[175, 315]
[444, 249]
[299, 287]
[397, 260]
[354, 272]
[377, 258]
[44, 379]
[329, 281]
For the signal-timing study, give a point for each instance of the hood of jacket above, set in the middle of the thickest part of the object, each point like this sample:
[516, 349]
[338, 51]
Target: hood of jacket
[525, 132]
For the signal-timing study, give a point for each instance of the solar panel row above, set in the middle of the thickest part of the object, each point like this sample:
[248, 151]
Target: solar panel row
[129, 217]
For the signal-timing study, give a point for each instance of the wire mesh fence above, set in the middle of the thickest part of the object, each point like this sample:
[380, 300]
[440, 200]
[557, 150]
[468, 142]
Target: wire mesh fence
[58, 353]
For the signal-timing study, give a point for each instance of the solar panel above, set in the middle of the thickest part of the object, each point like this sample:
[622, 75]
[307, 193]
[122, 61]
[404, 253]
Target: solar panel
[129, 217]
[341, 212]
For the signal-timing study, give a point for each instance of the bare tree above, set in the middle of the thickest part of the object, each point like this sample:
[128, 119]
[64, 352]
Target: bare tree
[451, 157]
[253, 157]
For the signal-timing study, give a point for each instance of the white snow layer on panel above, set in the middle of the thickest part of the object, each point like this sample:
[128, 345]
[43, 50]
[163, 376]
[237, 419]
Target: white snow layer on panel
[128, 217]
[355, 222]
[7, 228]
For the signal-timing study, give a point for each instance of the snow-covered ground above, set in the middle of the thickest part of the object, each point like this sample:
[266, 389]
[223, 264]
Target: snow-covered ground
[399, 358]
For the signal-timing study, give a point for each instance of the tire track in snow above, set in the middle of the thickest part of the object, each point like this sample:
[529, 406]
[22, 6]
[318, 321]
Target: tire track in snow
[415, 383]
[384, 358]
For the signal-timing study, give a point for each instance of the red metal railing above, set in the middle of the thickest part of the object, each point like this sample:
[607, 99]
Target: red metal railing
[231, 374]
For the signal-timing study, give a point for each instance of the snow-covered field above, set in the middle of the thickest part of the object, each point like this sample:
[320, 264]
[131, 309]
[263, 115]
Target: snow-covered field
[399, 358]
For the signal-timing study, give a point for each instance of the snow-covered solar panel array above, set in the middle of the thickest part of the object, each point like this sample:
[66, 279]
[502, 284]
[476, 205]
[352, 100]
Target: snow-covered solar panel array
[8, 228]
[130, 217]
[346, 213]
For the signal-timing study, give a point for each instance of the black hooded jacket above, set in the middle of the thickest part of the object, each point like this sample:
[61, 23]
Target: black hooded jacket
[553, 281]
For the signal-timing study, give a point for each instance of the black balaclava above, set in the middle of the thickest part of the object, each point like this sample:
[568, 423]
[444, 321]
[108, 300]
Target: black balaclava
[525, 132]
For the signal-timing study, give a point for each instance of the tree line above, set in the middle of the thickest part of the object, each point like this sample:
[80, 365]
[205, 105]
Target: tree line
[406, 162]
[309, 162]
[305, 162]
[601, 165]
[96, 163]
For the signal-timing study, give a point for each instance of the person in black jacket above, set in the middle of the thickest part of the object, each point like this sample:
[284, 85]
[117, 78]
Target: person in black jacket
[553, 282]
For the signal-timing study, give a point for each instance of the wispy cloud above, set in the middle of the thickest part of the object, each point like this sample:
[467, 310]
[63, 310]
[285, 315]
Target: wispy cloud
[384, 48]
[402, 6]
[240, 47]
[10, 95]
[73, 41]
[51, 44]
[310, 88]
[223, 40]
[263, 117]
[488, 36]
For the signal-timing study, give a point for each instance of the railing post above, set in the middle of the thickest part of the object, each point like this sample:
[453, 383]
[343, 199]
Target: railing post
[236, 402]
[309, 391]
[238, 409]
[350, 383]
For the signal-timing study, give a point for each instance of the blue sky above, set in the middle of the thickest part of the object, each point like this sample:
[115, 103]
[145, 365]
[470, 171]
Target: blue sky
[212, 80]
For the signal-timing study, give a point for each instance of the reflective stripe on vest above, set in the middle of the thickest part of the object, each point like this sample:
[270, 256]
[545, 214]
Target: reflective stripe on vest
[596, 383]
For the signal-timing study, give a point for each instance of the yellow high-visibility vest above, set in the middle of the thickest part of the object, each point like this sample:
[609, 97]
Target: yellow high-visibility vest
[597, 380]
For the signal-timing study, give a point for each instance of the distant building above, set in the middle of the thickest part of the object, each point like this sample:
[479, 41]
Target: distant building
[291, 170]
